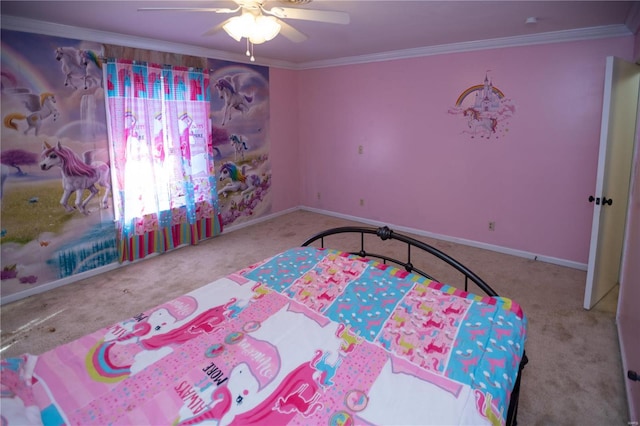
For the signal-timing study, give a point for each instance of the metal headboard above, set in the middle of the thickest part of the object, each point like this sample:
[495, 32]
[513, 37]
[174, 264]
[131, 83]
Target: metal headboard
[387, 234]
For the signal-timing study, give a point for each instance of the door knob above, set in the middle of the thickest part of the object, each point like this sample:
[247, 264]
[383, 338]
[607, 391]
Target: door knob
[591, 199]
[606, 200]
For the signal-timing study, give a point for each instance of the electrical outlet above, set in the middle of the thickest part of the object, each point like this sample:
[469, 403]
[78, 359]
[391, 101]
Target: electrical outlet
[492, 226]
[362, 201]
[360, 149]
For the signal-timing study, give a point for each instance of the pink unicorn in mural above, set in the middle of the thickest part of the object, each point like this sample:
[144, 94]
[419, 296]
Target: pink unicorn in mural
[77, 175]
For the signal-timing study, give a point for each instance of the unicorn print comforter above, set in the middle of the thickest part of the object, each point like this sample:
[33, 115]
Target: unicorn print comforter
[310, 336]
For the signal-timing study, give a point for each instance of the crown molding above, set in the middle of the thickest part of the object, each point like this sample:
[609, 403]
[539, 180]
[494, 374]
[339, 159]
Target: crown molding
[619, 30]
[86, 34]
[633, 19]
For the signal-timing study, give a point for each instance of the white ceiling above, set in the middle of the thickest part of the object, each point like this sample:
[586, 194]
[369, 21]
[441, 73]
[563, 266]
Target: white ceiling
[377, 28]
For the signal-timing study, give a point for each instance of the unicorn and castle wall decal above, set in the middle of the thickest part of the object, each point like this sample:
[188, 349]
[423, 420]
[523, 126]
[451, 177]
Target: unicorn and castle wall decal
[485, 111]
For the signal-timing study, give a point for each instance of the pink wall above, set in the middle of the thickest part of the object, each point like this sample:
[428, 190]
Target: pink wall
[418, 170]
[284, 152]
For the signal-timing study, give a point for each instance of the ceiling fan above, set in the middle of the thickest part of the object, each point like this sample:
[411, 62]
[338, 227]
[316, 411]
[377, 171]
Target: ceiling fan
[258, 24]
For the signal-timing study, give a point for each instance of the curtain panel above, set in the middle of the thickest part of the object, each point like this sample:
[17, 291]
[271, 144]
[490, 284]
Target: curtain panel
[163, 175]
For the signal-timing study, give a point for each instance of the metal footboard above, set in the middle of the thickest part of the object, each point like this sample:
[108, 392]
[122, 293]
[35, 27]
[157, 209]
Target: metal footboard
[385, 233]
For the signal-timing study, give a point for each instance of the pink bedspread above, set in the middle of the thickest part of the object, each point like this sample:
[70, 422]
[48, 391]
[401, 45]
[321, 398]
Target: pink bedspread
[309, 336]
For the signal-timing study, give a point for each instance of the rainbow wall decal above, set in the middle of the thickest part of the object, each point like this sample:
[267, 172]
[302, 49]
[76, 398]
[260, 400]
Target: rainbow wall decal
[476, 88]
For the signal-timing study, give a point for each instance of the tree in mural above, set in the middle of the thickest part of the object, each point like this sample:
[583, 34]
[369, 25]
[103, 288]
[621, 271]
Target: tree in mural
[18, 157]
[219, 137]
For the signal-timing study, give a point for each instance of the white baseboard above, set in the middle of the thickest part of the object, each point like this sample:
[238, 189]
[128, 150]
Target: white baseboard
[58, 283]
[259, 220]
[625, 325]
[505, 250]
[77, 277]
[478, 244]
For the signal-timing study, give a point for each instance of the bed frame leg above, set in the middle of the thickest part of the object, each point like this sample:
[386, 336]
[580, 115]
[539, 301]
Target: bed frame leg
[512, 414]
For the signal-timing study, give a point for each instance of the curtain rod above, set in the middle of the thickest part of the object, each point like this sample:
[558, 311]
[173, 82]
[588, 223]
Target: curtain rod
[104, 59]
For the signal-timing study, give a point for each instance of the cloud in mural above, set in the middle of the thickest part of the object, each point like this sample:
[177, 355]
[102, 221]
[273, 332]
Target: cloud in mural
[82, 131]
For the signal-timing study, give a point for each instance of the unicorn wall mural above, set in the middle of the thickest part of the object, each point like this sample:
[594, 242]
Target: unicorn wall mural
[240, 120]
[54, 144]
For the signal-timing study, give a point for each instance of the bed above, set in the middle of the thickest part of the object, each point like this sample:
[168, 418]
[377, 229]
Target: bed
[312, 335]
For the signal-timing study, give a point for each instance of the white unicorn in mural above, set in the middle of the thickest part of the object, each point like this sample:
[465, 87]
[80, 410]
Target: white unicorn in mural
[75, 65]
[92, 67]
[40, 107]
[239, 181]
[239, 146]
[233, 99]
[485, 126]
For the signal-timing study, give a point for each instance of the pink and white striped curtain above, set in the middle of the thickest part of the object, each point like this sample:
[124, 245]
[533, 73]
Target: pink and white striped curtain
[164, 186]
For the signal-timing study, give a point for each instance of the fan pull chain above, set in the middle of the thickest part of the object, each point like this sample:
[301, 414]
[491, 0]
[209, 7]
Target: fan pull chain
[250, 52]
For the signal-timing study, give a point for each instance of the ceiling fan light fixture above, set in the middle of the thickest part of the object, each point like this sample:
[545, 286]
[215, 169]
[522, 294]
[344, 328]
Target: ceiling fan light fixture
[240, 26]
[255, 28]
[265, 29]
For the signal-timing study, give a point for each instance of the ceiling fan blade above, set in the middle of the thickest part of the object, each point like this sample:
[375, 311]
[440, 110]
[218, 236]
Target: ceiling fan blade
[329, 16]
[190, 9]
[291, 33]
[213, 30]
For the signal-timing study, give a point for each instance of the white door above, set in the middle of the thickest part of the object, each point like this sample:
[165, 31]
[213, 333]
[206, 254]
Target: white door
[617, 139]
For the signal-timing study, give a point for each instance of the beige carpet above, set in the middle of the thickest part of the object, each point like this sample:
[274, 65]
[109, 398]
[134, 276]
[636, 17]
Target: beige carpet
[574, 376]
